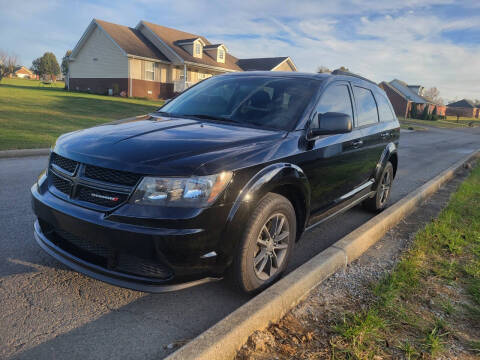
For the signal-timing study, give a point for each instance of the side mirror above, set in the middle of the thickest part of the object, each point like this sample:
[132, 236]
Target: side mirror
[332, 123]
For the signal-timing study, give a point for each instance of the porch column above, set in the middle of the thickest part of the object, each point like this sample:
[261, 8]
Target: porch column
[185, 76]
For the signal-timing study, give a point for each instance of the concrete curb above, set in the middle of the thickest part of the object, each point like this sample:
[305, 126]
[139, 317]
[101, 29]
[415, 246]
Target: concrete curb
[23, 153]
[224, 339]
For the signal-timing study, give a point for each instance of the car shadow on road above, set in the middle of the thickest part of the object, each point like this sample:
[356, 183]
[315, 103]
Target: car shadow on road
[143, 328]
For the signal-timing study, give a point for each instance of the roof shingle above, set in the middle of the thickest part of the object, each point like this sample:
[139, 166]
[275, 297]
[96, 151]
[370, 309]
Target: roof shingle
[406, 92]
[171, 37]
[462, 103]
[131, 40]
[260, 64]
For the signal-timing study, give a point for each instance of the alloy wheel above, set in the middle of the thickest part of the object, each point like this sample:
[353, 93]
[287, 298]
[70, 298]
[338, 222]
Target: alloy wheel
[271, 247]
[385, 186]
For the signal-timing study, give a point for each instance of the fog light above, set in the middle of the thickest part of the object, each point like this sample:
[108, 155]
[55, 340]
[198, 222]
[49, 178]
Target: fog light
[209, 255]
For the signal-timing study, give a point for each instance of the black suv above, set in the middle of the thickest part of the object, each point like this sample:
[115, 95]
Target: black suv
[223, 179]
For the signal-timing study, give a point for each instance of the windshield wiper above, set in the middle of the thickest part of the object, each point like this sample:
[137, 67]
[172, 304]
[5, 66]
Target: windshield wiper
[212, 117]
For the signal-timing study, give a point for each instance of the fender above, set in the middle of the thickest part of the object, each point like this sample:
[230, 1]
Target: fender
[389, 150]
[264, 181]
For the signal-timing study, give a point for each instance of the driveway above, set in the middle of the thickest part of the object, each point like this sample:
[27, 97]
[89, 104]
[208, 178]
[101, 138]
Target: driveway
[50, 312]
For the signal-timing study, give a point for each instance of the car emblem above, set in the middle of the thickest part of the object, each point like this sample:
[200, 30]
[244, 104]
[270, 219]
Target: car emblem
[105, 197]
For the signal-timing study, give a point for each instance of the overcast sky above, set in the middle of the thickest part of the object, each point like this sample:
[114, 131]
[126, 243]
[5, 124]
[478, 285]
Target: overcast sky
[427, 42]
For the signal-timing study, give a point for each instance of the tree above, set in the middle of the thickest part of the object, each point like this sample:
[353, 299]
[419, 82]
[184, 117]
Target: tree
[46, 66]
[8, 63]
[425, 112]
[65, 62]
[433, 95]
[343, 68]
[413, 111]
[36, 66]
[323, 69]
[434, 114]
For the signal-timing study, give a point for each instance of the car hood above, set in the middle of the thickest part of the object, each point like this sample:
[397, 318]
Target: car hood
[165, 146]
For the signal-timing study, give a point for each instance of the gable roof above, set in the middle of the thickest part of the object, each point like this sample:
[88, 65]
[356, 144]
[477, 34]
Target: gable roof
[172, 38]
[24, 69]
[406, 92]
[131, 40]
[462, 103]
[386, 84]
[261, 64]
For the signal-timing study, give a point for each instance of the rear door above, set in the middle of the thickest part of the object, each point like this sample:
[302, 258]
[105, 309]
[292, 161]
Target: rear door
[369, 125]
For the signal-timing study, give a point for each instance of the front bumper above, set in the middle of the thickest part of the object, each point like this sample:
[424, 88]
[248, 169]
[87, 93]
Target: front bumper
[108, 276]
[149, 258]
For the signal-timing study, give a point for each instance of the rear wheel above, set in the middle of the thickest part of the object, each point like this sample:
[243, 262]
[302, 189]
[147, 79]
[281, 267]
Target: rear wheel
[382, 195]
[267, 244]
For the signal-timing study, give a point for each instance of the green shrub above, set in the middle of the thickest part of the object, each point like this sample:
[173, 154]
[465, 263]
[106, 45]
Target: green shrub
[425, 113]
[413, 111]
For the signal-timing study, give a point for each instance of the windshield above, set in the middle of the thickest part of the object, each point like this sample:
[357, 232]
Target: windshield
[270, 102]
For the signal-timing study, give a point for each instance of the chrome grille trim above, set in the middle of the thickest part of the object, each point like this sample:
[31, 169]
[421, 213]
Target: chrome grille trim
[80, 184]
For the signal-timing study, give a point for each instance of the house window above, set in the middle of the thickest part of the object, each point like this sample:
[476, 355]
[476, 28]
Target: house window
[221, 54]
[149, 70]
[198, 49]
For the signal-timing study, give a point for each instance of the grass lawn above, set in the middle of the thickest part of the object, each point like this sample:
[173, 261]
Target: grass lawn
[447, 124]
[430, 303]
[406, 126]
[463, 120]
[33, 115]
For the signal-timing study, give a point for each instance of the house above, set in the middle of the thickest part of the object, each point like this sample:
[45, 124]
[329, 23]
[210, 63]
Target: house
[464, 108]
[149, 60]
[267, 64]
[403, 97]
[24, 73]
[417, 89]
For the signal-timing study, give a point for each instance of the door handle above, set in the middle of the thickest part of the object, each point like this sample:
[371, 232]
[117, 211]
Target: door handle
[357, 143]
[385, 135]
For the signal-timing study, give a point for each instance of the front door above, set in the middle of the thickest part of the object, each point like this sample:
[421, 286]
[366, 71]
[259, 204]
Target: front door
[334, 163]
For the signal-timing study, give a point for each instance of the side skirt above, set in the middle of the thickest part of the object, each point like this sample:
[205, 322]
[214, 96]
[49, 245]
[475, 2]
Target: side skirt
[342, 210]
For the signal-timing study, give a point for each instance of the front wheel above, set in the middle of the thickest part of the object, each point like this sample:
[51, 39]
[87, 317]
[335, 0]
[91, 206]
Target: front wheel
[266, 246]
[382, 195]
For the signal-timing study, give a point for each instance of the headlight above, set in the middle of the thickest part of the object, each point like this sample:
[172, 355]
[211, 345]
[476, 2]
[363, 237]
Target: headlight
[197, 191]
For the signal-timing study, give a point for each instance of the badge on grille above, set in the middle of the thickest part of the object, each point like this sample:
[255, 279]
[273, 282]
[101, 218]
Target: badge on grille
[111, 198]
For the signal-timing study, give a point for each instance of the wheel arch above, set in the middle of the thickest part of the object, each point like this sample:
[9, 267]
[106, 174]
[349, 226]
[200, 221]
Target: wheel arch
[390, 153]
[284, 179]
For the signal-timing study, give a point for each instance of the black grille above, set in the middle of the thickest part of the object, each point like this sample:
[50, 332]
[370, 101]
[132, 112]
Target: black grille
[111, 176]
[61, 184]
[90, 191]
[100, 252]
[93, 247]
[64, 163]
[133, 265]
[100, 197]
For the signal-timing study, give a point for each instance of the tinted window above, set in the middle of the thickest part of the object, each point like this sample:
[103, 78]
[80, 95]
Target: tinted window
[384, 109]
[367, 108]
[272, 102]
[336, 98]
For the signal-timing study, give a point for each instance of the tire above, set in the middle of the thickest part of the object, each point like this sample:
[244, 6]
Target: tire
[380, 200]
[259, 259]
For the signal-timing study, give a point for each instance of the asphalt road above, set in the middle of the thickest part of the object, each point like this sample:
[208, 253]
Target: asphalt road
[50, 312]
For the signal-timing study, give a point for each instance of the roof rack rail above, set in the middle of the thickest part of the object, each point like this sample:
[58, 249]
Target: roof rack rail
[348, 73]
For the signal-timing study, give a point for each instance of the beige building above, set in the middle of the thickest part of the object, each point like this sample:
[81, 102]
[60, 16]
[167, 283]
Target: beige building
[151, 60]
